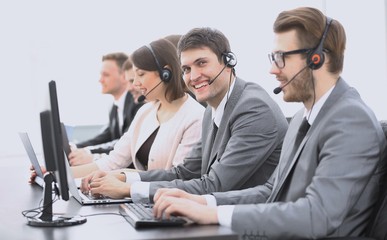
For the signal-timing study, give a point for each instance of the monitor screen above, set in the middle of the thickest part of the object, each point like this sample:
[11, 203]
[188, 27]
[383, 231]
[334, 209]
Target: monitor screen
[53, 141]
[56, 167]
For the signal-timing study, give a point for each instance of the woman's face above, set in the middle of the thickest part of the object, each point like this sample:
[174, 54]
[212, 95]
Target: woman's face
[148, 83]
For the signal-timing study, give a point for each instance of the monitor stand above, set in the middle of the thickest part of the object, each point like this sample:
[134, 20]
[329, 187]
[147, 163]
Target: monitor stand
[47, 218]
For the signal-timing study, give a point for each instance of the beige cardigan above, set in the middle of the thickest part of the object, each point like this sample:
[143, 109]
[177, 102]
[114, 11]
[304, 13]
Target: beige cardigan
[174, 140]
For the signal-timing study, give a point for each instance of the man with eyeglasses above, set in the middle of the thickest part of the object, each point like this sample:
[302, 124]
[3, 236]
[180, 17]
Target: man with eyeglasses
[326, 182]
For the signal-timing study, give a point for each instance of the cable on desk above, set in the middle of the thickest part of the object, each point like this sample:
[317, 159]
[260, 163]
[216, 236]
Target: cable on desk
[40, 209]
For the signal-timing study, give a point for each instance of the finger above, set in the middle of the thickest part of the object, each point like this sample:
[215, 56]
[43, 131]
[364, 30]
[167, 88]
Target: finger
[72, 155]
[32, 179]
[158, 194]
[85, 184]
[71, 161]
[163, 204]
[158, 208]
[174, 192]
[171, 208]
[95, 191]
[94, 184]
[96, 179]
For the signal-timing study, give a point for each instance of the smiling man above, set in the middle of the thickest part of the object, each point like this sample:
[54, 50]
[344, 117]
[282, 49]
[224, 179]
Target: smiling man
[331, 167]
[243, 128]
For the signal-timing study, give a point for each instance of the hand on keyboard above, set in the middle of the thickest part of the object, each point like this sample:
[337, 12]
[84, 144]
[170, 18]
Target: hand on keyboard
[141, 215]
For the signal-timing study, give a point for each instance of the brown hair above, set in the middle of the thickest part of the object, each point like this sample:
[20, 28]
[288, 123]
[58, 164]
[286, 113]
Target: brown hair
[166, 55]
[174, 39]
[127, 65]
[205, 37]
[310, 24]
[118, 57]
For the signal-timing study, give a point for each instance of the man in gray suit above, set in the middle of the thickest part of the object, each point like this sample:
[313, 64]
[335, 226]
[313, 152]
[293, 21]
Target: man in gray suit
[327, 184]
[243, 129]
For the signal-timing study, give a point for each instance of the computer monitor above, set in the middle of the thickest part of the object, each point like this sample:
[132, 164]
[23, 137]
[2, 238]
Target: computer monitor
[55, 165]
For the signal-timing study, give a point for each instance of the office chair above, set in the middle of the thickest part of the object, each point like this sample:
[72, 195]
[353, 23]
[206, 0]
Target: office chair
[377, 227]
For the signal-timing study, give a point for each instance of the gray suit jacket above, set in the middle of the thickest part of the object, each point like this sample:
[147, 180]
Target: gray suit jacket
[331, 184]
[244, 153]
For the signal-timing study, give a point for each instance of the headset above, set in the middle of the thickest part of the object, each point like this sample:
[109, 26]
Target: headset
[229, 59]
[316, 57]
[165, 73]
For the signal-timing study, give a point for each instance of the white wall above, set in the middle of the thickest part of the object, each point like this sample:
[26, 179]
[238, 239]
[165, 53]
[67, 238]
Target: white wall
[64, 41]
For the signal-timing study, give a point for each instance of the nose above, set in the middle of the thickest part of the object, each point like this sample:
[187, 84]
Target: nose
[194, 74]
[136, 82]
[274, 69]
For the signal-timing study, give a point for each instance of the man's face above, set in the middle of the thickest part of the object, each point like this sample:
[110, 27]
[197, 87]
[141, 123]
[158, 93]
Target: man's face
[111, 79]
[300, 89]
[200, 66]
[129, 77]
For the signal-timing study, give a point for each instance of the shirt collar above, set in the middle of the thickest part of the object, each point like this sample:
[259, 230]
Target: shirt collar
[311, 115]
[217, 113]
[121, 101]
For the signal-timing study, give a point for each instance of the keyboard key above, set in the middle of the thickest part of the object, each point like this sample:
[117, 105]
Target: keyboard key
[141, 215]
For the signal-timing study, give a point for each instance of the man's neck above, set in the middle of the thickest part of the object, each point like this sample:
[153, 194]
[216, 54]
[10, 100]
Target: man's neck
[215, 103]
[119, 94]
[321, 86]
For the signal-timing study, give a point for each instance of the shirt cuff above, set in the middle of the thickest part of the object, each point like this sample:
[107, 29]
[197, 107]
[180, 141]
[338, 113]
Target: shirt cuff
[132, 177]
[225, 215]
[211, 200]
[139, 191]
[96, 156]
[87, 150]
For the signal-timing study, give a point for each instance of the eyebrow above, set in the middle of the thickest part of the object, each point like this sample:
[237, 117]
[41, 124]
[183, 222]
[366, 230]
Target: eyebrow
[196, 61]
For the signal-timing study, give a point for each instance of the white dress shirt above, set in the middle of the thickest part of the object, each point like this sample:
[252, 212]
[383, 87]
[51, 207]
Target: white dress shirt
[225, 211]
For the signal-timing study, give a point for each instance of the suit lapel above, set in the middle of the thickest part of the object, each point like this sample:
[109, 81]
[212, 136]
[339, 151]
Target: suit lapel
[224, 123]
[338, 91]
[128, 105]
[285, 168]
[206, 135]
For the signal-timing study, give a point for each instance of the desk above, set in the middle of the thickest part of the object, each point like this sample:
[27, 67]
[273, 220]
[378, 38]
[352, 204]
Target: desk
[17, 195]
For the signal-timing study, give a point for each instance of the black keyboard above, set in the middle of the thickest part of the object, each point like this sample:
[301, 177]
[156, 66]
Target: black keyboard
[141, 216]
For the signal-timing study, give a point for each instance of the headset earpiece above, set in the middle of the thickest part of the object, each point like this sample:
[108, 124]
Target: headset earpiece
[316, 57]
[165, 73]
[229, 59]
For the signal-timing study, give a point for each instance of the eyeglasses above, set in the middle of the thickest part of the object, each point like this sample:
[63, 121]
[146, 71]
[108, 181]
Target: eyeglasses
[279, 57]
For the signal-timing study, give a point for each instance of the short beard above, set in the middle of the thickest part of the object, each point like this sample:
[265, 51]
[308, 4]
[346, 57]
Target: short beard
[302, 87]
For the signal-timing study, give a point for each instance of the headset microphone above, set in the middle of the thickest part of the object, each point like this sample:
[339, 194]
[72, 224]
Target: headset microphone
[142, 97]
[229, 60]
[213, 80]
[279, 89]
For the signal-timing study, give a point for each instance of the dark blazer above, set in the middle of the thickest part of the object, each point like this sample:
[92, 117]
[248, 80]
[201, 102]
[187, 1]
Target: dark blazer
[108, 135]
[244, 153]
[331, 184]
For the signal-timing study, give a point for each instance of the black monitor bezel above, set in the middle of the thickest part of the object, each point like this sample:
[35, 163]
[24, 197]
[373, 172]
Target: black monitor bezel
[55, 161]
